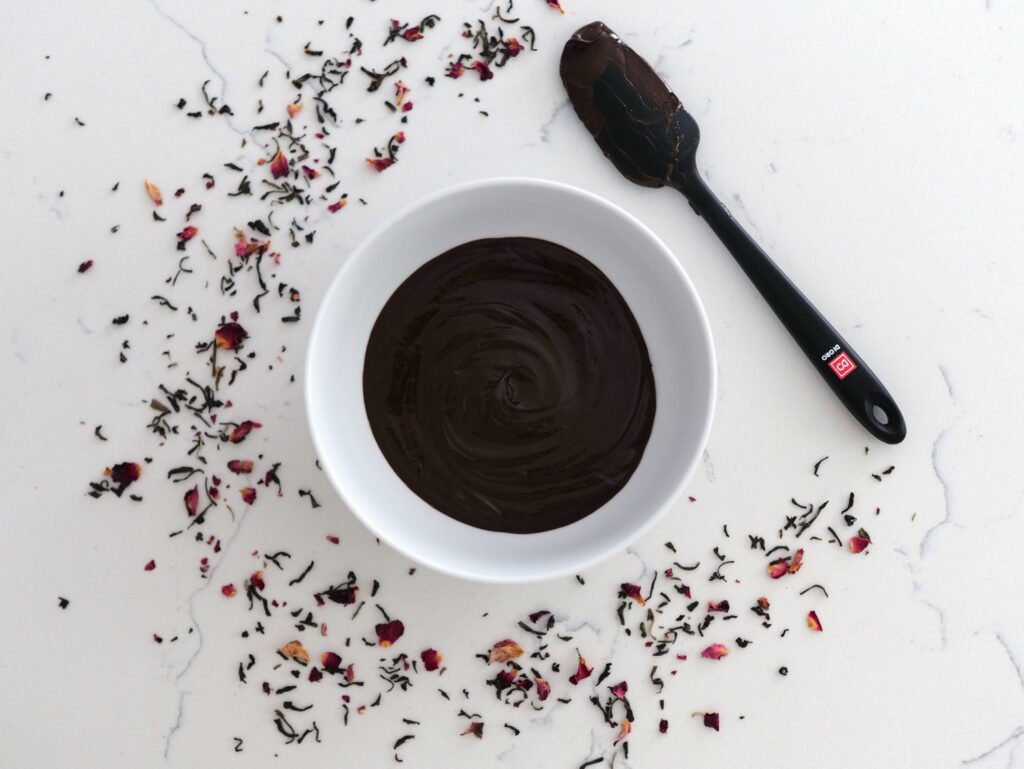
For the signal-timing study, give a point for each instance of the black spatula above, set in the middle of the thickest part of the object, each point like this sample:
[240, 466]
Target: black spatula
[643, 129]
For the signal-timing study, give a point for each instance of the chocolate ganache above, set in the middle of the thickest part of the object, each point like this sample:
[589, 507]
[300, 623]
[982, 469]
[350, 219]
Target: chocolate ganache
[508, 385]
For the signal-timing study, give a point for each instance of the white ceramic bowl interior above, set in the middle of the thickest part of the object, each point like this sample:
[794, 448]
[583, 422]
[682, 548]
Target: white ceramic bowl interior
[658, 292]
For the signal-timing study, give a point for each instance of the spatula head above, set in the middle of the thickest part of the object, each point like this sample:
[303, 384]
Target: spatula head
[636, 119]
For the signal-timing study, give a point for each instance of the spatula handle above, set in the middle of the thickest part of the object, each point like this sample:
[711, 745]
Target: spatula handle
[844, 370]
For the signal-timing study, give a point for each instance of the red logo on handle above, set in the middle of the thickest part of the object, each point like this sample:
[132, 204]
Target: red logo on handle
[842, 365]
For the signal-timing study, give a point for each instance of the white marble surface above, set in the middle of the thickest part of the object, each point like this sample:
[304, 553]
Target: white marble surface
[874, 148]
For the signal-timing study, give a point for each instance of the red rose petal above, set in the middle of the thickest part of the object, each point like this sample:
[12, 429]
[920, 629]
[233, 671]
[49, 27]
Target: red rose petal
[483, 70]
[333, 539]
[663, 726]
[248, 494]
[85, 266]
[778, 569]
[240, 466]
[557, 5]
[124, 474]
[763, 602]
[315, 674]
[582, 671]
[256, 580]
[279, 165]
[149, 566]
[243, 429]
[192, 501]
[718, 606]
[632, 591]
[503, 651]
[859, 544]
[813, 622]
[381, 164]
[620, 689]
[715, 651]
[294, 109]
[455, 70]
[513, 47]
[389, 632]
[711, 721]
[336, 207]
[230, 336]
[229, 590]
[543, 688]
[188, 233]
[412, 34]
[431, 659]
[310, 173]
[330, 661]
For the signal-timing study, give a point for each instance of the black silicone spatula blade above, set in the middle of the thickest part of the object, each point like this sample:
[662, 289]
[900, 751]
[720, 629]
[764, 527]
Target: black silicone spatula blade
[641, 126]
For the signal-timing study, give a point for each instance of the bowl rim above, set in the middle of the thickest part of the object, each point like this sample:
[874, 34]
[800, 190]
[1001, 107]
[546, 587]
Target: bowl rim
[617, 546]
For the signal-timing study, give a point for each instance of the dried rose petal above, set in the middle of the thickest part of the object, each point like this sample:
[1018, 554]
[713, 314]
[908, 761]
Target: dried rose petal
[294, 650]
[154, 193]
[294, 109]
[333, 539]
[315, 674]
[711, 721]
[346, 596]
[336, 207]
[310, 173]
[506, 678]
[513, 47]
[412, 34]
[248, 494]
[715, 651]
[859, 544]
[624, 730]
[813, 622]
[632, 591]
[192, 501]
[582, 671]
[188, 233]
[556, 5]
[431, 659]
[230, 336]
[330, 661]
[779, 568]
[256, 580]
[240, 466]
[506, 650]
[484, 71]
[718, 606]
[381, 164]
[401, 90]
[239, 433]
[476, 729]
[543, 688]
[797, 562]
[620, 689]
[85, 266]
[663, 726]
[763, 602]
[350, 673]
[229, 590]
[124, 474]
[455, 70]
[389, 632]
[279, 165]
[149, 566]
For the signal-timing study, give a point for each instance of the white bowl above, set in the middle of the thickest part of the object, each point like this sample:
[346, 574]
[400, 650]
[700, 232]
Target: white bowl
[662, 299]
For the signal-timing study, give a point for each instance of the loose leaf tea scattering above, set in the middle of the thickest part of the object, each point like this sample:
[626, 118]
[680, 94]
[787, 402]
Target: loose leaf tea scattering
[305, 622]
